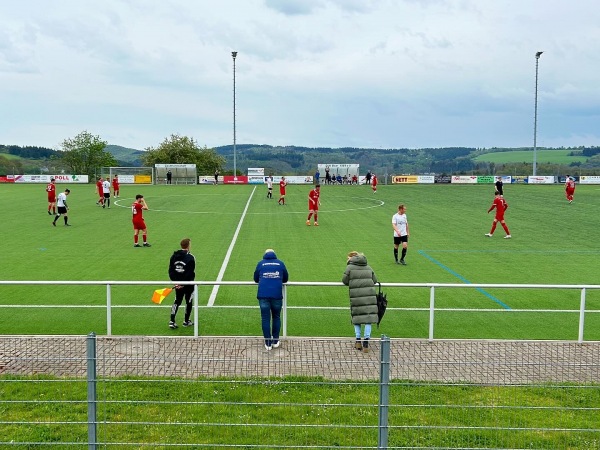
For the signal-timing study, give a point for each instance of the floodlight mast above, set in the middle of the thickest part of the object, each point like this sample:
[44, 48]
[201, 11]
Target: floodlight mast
[537, 61]
[233, 55]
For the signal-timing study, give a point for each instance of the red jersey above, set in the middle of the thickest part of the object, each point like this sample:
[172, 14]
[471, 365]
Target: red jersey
[99, 187]
[570, 185]
[115, 184]
[313, 199]
[282, 185]
[51, 190]
[500, 205]
[374, 181]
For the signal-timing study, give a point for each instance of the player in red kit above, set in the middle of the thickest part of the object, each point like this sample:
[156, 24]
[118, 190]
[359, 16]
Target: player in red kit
[570, 188]
[313, 204]
[282, 185]
[115, 184]
[100, 192]
[500, 205]
[51, 191]
[138, 220]
[374, 183]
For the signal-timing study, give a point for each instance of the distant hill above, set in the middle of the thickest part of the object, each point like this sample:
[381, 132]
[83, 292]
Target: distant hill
[126, 156]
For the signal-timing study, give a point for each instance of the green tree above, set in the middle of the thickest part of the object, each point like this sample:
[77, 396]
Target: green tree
[10, 166]
[184, 150]
[85, 155]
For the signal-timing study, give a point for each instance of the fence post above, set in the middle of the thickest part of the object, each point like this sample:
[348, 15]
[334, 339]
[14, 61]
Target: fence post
[108, 311]
[431, 312]
[196, 310]
[91, 390]
[284, 313]
[384, 392]
[581, 316]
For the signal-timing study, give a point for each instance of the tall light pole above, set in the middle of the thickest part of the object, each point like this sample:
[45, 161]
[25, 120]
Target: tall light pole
[233, 55]
[537, 63]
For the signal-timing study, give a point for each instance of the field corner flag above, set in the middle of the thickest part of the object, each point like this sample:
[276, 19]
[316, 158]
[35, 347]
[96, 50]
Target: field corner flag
[160, 294]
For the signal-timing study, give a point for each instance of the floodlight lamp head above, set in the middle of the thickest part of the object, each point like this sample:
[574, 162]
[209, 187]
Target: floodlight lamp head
[538, 54]
[233, 54]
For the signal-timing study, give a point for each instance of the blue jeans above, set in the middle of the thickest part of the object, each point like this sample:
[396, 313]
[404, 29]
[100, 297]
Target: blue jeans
[270, 309]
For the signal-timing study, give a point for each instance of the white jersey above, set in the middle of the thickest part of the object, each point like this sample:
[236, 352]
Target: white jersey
[269, 183]
[401, 222]
[106, 187]
[62, 200]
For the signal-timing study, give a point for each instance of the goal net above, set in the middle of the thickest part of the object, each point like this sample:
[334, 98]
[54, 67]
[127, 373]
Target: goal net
[129, 175]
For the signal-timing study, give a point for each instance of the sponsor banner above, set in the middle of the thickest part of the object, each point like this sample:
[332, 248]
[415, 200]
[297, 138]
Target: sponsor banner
[255, 179]
[487, 179]
[126, 179]
[443, 179]
[426, 179]
[563, 180]
[295, 179]
[464, 179]
[519, 179]
[541, 180]
[206, 179]
[46, 178]
[589, 179]
[256, 171]
[506, 179]
[7, 179]
[175, 166]
[230, 179]
[404, 179]
[141, 179]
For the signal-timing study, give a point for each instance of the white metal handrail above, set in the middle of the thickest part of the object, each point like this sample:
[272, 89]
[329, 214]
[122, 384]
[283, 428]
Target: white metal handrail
[432, 286]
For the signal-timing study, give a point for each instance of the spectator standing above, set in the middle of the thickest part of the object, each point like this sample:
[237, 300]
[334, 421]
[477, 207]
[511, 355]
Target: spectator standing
[500, 205]
[217, 176]
[317, 176]
[270, 274]
[182, 267]
[327, 175]
[282, 185]
[368, 177]
[361, 280]
[314, 202]
[400, 226]
[138, 221]
[499, 185]
[51, 191]
[62, 208]
[115, 183]
[169, 176]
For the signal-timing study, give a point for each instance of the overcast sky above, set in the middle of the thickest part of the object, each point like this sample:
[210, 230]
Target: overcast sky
[332, 73]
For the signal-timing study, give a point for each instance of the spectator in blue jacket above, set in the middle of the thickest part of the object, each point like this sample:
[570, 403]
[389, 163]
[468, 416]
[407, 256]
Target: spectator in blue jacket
[270, 274]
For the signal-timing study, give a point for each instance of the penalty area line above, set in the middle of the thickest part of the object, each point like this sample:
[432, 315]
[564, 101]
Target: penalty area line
[463, 279]
[215, 290]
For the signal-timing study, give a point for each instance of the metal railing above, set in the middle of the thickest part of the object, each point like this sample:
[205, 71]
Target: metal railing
[431, 286]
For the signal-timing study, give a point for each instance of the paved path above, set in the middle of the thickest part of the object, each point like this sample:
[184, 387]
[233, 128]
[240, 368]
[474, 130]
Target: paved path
[489, 362]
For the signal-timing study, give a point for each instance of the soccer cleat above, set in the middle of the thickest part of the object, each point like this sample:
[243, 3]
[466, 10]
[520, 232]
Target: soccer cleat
[172, 325]
[308, 223]
[49, 213]
[397, 262]
[489, 234]
[316, 224]
[104, 206]
[276, 344]
[358, 344]
[136, 245]
[365, 345]
[147, 245]
[188, 323]
[53, 223]
[402, 262]
[508, 236]
[67, 224]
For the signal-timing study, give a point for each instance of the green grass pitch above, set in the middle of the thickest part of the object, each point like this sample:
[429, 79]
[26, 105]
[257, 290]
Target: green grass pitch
[553, 243]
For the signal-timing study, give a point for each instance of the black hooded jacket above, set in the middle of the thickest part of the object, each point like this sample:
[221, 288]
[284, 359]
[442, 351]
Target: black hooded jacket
[182, 266]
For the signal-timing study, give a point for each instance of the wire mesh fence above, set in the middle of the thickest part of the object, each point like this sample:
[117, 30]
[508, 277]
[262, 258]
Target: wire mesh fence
[228, 392]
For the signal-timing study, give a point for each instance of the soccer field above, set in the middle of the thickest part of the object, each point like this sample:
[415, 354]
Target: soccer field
[230, 226]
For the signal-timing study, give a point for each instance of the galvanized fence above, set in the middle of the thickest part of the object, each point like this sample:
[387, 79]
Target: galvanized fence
[104, 392]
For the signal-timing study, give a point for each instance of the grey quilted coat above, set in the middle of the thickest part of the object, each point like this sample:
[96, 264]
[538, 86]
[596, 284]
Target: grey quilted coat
[361, 279]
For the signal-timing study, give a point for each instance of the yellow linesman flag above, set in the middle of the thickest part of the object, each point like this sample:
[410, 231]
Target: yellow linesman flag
[160, 294]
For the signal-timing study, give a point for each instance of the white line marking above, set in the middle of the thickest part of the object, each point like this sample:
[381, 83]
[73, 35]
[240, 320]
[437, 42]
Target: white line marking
[215, 291]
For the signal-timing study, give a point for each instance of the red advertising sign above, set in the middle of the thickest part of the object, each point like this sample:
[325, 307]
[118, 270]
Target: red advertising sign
[230, 179]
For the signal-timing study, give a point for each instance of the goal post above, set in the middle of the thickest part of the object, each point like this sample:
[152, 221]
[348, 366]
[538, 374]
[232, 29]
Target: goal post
[129, 175]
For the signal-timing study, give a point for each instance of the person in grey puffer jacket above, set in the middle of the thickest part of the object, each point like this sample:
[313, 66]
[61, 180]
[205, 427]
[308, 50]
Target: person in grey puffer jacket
[361, 280]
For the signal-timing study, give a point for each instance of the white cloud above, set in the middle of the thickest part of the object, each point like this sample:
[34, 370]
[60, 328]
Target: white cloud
[362, 73]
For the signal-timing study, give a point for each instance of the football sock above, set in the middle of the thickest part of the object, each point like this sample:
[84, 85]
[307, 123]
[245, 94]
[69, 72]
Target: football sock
[135, 238]
[65, 219]
[316, 220]
[396, 254]
[493, 228]
[144, 237]
[505, 228]
[403, 253]
[310, 215]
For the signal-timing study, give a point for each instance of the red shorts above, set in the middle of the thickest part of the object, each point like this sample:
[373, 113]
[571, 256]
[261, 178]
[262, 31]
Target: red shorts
[139, 225]
[312, 207]
[281, 192]
[499, 218]
[51, 198]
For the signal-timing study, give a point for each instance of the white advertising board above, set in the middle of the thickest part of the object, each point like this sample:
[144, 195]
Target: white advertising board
[46, 178]
[589, 179]
[540, 179]
[464, 179]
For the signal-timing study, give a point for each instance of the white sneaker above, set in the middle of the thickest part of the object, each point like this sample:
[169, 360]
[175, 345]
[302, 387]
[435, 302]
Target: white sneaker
[268, 347]
[276, 344]
[508, 236]
[488, 234]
